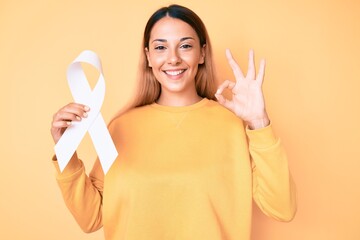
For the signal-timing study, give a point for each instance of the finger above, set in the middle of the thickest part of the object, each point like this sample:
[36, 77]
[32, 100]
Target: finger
[234, 66]
[223, 101]
[67, 116]
[75, 110]
[251, 66]
[79, 106]
[261, 73]
[61, 124]
[226, 84]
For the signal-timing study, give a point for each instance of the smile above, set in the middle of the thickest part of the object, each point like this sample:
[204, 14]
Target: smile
[175, 73]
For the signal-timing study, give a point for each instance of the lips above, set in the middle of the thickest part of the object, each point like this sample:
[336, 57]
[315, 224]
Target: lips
[174, 72]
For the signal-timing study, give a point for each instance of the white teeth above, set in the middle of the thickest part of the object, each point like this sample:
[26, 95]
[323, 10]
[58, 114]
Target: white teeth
[174, 73]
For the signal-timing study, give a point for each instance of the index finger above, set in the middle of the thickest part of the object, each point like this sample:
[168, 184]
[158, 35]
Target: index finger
[77, 105]
[233, 64]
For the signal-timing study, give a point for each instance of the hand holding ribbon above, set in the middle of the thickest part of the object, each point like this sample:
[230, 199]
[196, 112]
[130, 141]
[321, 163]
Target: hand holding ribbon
[93, 122]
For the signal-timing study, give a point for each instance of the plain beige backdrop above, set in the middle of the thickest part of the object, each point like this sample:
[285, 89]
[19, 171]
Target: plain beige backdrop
[311, 87]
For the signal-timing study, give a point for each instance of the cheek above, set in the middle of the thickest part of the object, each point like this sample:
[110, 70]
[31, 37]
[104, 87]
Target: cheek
[157, 60]
[192, 59]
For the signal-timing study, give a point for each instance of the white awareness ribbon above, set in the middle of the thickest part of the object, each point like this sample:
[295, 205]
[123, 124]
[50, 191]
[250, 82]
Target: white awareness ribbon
[94, 123]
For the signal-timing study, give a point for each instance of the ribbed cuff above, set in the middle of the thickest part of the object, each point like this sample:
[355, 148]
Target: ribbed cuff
[262, 137]
[72, 167]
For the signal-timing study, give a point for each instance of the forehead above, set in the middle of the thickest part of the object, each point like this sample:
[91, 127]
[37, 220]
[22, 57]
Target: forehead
[172, 28]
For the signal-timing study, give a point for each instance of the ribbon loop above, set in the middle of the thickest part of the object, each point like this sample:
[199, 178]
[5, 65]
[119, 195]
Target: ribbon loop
[94, 123]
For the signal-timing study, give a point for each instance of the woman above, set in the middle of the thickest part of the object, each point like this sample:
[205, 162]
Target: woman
[187, 168]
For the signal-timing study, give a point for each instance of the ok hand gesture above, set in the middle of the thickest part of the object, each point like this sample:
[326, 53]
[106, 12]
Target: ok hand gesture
[248, 100]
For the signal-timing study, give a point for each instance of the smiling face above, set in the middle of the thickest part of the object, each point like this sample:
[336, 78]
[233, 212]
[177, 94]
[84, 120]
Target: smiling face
[174, 54]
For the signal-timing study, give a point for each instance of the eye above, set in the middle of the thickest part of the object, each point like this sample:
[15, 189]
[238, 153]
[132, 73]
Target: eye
[160, 47]
[186, 46]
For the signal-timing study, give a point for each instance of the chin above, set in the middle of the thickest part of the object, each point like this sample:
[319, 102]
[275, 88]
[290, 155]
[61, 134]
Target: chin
[173, 89]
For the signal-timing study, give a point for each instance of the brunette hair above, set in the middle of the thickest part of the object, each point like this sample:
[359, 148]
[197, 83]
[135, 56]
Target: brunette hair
[148, 88]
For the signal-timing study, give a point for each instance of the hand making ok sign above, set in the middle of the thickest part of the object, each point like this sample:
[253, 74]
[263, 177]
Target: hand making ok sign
[248, 100]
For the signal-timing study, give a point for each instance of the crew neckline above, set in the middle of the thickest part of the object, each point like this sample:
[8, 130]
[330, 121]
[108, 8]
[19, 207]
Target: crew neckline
[191, 107]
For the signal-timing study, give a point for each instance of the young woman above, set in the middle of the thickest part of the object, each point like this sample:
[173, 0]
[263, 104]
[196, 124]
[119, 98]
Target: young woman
[188, 166]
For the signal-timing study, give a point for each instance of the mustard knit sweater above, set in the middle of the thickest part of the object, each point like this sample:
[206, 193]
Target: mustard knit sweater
[183, 173]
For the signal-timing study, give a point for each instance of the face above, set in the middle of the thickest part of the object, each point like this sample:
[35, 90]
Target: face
[174, 54]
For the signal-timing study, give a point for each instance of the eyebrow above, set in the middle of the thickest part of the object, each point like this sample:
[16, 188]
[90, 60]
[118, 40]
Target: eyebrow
[164, 40]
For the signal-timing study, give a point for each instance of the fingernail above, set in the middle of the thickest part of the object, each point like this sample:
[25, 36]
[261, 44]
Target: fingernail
[86, 108]
[85, 114]
[78, 118]
[68, 123]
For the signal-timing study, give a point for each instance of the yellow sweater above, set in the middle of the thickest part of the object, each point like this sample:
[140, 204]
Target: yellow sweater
[183, 173]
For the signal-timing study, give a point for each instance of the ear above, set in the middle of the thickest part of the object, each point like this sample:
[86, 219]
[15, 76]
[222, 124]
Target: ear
[202, 54]
[148, 56]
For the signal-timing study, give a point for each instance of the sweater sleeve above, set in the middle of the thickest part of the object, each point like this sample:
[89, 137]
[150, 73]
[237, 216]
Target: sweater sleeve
[82, 194]
[273, 187]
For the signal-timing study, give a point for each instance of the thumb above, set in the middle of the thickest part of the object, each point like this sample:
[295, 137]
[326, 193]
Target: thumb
[223, 101]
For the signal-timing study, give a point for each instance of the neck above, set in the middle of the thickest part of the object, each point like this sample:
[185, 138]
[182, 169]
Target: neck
[178, 100]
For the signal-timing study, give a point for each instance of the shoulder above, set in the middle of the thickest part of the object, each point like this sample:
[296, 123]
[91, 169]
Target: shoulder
[220, 117]
[220, 111]
[217, 107]
[130, 116]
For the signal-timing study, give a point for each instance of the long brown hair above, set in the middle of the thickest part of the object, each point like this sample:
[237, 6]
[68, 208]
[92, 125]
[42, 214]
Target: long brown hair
[148, 88]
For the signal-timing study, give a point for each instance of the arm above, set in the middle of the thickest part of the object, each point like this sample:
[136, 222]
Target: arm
[273, 187]
[82, 194]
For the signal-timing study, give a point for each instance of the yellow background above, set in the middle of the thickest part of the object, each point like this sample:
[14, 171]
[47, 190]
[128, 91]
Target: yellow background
[312, 88]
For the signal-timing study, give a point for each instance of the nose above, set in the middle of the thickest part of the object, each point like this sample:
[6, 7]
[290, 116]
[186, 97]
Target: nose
[173, 57]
